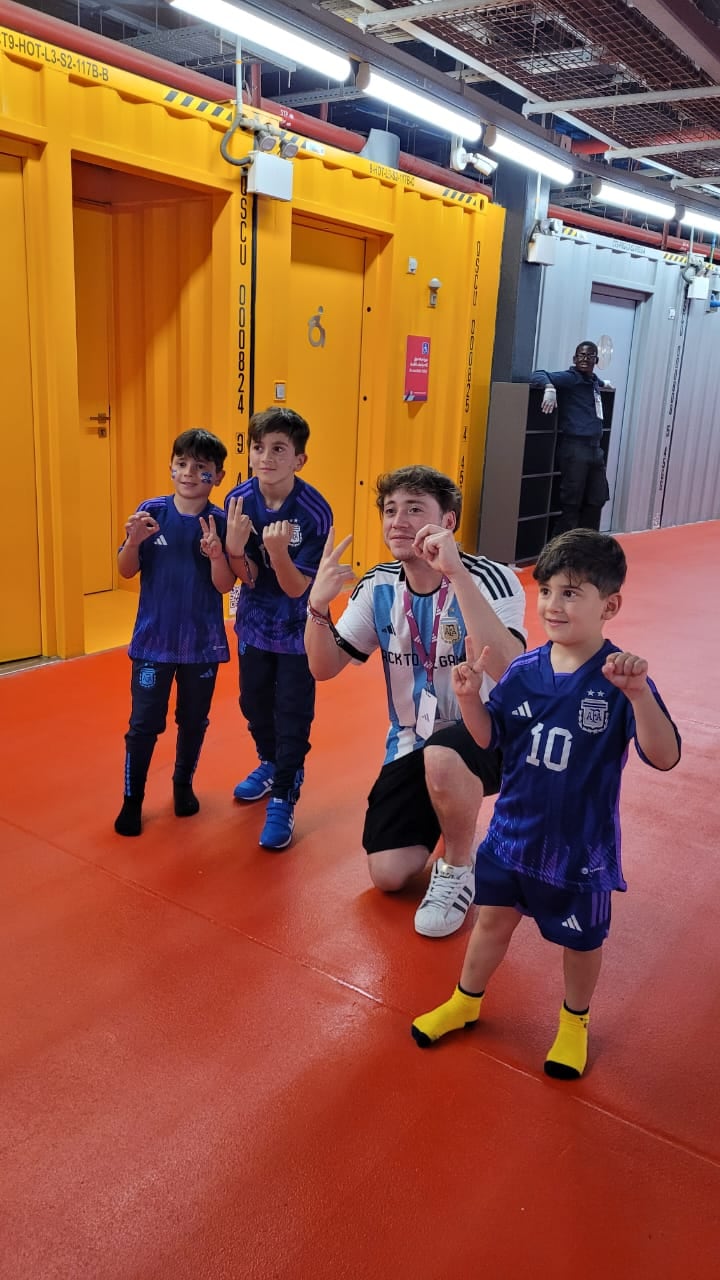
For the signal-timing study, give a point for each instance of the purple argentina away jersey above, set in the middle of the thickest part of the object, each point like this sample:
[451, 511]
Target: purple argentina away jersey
[180, 614]
[564, 739]
[266, 617]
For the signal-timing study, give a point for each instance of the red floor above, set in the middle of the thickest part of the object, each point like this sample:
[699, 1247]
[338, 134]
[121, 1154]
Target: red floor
[207, 1068]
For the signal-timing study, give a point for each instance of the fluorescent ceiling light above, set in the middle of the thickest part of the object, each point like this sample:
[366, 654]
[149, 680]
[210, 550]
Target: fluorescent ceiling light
[270, 35]
[701, 222]
[625, 198]
[528, 157]
[417, 104]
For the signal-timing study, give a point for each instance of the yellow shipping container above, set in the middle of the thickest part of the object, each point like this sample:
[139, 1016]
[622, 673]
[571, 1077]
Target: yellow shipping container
[145, 291]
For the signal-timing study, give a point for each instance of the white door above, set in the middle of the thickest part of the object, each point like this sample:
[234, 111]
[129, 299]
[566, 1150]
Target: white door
[612, 321]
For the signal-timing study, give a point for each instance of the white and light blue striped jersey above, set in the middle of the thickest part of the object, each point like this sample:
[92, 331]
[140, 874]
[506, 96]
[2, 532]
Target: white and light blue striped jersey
[564, 738]
[375, 618]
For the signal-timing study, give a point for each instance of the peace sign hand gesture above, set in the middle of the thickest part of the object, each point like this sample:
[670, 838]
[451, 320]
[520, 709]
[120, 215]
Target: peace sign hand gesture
[331, 577]
[239, 528]
[210, 543]
[467, 677]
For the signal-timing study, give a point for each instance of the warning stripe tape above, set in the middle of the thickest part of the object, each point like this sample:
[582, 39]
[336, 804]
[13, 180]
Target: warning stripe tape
[214, 110]
[136, 88]
[463, 197]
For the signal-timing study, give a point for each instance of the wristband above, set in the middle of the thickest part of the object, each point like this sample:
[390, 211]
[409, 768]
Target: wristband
[320, 619]
[242, 555]
[248, 570]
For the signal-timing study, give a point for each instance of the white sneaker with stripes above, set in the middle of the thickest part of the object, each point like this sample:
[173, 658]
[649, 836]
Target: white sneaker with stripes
[447, 901]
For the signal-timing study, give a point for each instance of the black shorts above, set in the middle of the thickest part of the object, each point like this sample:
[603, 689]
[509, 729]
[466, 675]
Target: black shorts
[400, 813]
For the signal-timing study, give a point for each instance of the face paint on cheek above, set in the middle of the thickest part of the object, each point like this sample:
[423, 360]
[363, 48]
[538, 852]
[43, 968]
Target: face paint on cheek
[173, 473]
[206, 477]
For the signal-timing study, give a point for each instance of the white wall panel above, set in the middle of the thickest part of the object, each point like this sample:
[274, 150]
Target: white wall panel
[692, 489]
[673, 390]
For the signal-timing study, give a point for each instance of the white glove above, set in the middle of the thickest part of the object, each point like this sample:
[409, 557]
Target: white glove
[549, 400]
[609, 386]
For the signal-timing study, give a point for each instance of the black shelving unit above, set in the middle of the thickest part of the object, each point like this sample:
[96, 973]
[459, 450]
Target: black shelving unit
[521, 481]
[537, 507]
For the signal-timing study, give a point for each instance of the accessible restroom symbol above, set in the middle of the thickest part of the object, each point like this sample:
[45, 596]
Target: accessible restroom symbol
[316, 332]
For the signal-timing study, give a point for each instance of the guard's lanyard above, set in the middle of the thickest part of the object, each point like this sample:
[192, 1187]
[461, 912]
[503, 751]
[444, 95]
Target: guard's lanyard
[427, 658]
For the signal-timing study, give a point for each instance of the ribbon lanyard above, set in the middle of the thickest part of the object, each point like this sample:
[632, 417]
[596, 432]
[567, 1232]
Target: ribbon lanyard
[427, 658]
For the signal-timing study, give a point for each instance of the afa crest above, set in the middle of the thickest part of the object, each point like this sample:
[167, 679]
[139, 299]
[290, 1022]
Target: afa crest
[295, 534]
[450, 631]
[594, 715]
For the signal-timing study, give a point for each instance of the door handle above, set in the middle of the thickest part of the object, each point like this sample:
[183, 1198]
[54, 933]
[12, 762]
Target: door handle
[100, 417]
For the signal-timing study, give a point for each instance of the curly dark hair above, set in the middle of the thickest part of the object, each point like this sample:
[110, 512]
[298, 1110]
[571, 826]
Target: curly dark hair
[420, 480]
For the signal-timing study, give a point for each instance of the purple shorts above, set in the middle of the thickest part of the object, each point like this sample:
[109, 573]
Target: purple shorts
[579, 921]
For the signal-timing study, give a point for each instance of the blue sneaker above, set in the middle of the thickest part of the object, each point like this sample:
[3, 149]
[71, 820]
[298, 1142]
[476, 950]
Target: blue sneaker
[257, 784]
[279, 823]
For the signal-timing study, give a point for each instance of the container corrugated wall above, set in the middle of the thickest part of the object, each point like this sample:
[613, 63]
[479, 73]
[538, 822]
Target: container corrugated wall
[692, 489]
[669, 460]
[191, 253]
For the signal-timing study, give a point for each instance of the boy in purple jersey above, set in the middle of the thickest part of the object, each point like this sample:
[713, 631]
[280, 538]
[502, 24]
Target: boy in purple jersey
[564, 716]
[176, 544]
[276, 529]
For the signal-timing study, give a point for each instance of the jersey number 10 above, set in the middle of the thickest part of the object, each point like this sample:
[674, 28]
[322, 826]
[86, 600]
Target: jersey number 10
[558, 743]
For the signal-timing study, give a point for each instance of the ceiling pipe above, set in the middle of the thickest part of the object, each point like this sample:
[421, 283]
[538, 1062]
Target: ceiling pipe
[624, 231]
[588, 147]
[40, 25]
[255, 90]
[444, 177]
[313, 127]
[346, 140]
[591, 147]
[29, 22]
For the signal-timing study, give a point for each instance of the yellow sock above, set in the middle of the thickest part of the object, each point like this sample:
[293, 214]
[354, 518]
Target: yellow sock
[459, 1011]
[568, 1055]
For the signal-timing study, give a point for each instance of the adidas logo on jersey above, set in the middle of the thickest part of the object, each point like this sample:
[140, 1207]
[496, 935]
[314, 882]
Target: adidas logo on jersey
[523, 710]
[389, 630]
[160, 542]
[572, 923]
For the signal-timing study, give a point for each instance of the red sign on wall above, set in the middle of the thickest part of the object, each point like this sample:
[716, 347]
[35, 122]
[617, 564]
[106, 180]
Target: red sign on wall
[417, 368]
